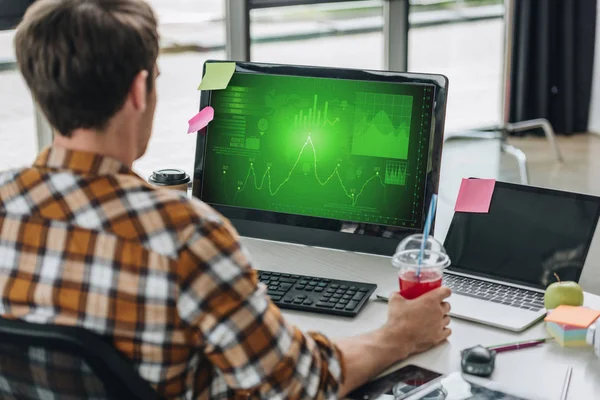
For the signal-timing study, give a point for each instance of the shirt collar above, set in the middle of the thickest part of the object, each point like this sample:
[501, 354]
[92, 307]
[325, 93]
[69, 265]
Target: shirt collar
[85, 163]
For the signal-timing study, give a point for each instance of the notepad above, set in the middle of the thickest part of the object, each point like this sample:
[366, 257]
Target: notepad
[201, 119]
[217, 75]
[579, 317]
[475, 196]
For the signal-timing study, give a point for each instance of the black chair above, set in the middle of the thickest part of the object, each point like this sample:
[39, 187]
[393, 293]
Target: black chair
[64, 363]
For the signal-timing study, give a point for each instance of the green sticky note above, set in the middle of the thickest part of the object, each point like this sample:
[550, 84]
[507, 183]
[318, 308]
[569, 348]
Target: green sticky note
[217, 76]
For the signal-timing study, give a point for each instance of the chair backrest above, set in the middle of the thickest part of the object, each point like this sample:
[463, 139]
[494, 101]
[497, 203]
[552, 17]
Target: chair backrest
[40, 361]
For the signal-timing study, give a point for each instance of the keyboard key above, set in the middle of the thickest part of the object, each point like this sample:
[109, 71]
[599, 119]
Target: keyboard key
[327, 295]
[298, 301]
[307, 302]
[296, 276]
[322, 284]
[330, 290]
[347, 297]
[266, 273]
[340, 291]
[353, 288]
[287, 280]
[288, 299]
[301, 296]
[335, 285]
[275, 293]
[275, 298]
[363, 290]
[344, 287]
[312, 283]
[343, 301]
[274, 278]
[336, 296]
[286, 275]
[273, 287]
[351, 292]
[285, 286]
[339, 306]
[325, 280]
[275, 274]
[303, 282]
[309, 288]
[300, 287]
[351, 306]
[318, 289]
[325, 304]
[358, 296]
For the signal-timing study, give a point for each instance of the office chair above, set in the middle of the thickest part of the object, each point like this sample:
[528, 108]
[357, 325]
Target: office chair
[57, 362]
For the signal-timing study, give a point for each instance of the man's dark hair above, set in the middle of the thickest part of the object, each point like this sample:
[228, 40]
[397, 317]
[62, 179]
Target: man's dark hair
[80, 57]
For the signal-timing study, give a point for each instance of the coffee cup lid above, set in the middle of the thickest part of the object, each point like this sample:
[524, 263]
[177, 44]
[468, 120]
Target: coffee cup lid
[169, 177]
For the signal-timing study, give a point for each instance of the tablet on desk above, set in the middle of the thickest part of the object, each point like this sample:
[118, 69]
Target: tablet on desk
[416, 383]
[459, 386]
[397, 385]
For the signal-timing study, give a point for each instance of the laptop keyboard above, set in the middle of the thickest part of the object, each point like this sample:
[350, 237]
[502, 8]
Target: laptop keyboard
[494, 292]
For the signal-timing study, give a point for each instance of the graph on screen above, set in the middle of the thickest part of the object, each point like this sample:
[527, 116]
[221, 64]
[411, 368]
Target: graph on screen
[315, 147]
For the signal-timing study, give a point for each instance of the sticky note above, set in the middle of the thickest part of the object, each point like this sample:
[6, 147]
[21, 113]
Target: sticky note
[566, 335]
[475, 196]
[217, 75]
[580, 317]
[201, 119]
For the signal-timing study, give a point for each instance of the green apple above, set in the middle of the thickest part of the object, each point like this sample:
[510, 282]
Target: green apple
[563, 293]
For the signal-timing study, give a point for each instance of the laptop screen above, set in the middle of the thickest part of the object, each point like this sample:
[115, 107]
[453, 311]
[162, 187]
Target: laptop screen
[528, 235]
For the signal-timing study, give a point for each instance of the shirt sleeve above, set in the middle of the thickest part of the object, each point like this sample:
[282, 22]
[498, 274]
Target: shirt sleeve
[246, 337]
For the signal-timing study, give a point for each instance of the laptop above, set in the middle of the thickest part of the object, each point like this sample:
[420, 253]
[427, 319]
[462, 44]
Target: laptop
[503, 261]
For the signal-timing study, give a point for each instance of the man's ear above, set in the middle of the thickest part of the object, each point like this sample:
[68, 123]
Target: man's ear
[139, 91]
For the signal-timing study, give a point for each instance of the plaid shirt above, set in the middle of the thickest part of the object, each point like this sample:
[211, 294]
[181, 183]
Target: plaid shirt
[84, 241]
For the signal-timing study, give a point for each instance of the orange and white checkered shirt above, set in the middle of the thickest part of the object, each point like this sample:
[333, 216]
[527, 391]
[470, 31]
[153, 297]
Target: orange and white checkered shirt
[84, 241]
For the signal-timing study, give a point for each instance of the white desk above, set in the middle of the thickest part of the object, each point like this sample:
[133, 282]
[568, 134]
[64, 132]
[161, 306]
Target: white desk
[538, 370]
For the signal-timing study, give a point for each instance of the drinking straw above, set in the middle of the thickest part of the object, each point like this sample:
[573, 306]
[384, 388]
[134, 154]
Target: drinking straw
[428, 222]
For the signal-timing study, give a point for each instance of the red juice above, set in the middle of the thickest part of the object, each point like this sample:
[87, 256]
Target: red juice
[412, 287]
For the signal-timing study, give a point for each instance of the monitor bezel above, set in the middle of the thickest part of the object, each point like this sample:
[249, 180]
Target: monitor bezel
[366, 242]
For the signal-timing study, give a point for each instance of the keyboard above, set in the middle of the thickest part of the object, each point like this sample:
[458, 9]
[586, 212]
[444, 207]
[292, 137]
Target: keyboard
[314, 294]
[495, 292]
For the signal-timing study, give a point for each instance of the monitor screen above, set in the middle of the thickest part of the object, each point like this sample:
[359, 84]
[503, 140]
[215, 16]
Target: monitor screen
[335, 154]
[528, 235]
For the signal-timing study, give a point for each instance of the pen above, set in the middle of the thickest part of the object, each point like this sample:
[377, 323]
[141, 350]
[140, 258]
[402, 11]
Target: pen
[518, 345]
[565, 389]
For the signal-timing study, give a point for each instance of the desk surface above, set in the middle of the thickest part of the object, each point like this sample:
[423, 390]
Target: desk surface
[537, 371]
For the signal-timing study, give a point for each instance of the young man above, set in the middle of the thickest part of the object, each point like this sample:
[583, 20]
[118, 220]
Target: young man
[86, 242]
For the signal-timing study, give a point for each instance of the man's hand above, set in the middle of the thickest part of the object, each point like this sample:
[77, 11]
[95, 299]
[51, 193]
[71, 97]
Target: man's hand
[418, 324]
[413, 326]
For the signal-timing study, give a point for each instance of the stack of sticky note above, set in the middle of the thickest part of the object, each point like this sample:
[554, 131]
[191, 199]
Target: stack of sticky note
[568, 324]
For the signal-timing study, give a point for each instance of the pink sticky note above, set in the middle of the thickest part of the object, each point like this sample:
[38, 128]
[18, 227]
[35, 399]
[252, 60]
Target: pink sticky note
[201, 119]
[475, 196]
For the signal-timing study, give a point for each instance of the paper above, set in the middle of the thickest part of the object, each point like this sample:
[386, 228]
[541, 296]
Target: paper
[575, 316]
[201, 119]
[217, 75]
[475, 196]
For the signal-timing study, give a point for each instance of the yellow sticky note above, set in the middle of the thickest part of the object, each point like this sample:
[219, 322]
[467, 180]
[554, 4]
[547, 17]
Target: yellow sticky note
[217, 75]
[574, 316]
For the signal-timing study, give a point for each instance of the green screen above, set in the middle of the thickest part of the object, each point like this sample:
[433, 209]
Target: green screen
[332, 148]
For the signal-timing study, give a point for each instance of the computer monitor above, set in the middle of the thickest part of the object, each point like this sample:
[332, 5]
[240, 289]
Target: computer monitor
[329, 157]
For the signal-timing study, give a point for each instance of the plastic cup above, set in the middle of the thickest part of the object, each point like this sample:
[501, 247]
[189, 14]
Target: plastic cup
[416, 279]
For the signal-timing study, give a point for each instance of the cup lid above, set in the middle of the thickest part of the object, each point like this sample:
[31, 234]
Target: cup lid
[431, 259]
[169, 177]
